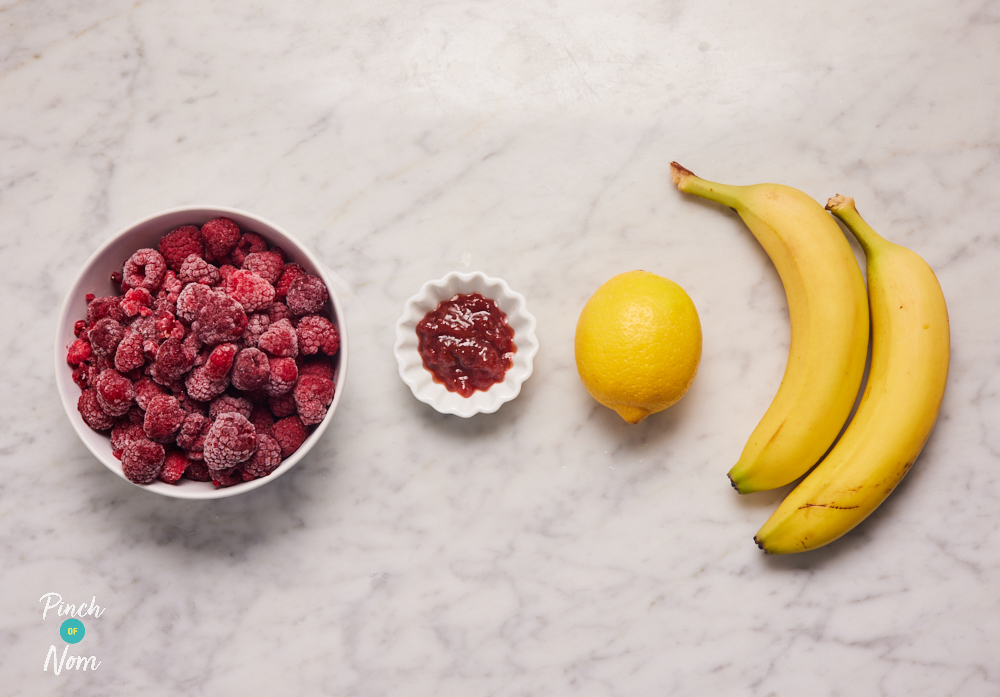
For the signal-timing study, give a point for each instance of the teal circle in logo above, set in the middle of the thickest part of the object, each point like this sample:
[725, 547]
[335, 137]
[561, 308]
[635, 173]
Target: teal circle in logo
[71, 631]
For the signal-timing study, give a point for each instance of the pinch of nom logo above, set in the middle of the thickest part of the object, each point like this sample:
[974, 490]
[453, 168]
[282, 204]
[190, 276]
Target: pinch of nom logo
[71, 631]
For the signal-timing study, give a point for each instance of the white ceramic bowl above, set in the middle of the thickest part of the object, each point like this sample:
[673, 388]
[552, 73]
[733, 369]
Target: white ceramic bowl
[95, 277]
[420, 380]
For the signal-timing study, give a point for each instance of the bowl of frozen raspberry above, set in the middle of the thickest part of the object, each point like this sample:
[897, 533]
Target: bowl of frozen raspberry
[201, 352]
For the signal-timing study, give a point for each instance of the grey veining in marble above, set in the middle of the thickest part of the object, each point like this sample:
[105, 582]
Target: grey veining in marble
[550, 548]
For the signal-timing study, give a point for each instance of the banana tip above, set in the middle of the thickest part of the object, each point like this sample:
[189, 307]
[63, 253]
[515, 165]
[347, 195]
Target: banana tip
[838, 202]
[678, 173]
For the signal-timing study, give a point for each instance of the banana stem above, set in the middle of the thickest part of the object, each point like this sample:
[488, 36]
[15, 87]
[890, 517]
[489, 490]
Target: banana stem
[688, 182]
[843, 208]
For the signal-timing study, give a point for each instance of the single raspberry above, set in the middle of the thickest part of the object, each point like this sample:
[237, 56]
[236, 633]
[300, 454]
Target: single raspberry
[191, 435]
[320, 367]
[220, 319]
[167, 326]
[220, 361]
[171, 288]
[257, 324]
[230, 476]
[197, 270]
[251, 369]
[145, 269]
[288, 276]
[137, 301]
[282, 405]
[226, 270]
[278, 311]
[267, 265]
[282, 376]
[290, 433]
[115, 392]
[164, 417]
[197, 471]
[106, 306]
[306, 295]
[84, 375]
[312, 396]
[224, 404]
[230, 441]
[129, 354]
[191, 300]
[79, 327]
[79, 352]
[265, 459]
[145, 390]
[280, 340]
[249, 290]
[174, 464]
[180, 243]
[92, 413]
[250, 243]
[261, 418]
[104, 336]
[146, 326]
[124, 432]
[203, 388]
[142, 461]
[221, 236]
[173, 360]
[317, 333]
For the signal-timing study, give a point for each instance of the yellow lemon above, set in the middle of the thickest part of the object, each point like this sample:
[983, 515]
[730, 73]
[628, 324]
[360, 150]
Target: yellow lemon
[638, 344]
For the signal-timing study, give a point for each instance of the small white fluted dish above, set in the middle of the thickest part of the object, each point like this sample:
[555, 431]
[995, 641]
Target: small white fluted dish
[420, 380]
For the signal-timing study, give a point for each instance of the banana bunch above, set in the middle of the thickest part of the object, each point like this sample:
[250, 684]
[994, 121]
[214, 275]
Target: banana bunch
[829, 312]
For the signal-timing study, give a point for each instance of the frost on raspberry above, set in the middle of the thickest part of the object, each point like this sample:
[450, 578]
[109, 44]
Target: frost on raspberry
[142, 461]
[220, 319]
[261, 418]
[91, 412]
[280, 340]
[257, 324]
[197, 270]
[145, 390]
[321, 367]
[221, 236]
[115, 392]
[123, 433]
[282, 377]
[288, 275]
[171, 288]
[265, 459]
[203, 388]
[180, 243]
[249, 290]
[267, 265]
[105, 306]
[231, 476]
[79, 352]
[164, 417]
[129, 354]
[191, 300]
[250, 243]
[191, 435]
[290, 433]
[174, 464]
[84, 375]
[104, 336]
[312, 396]
[278, 311]
[173, 360]
[306, 295]
[231, 440]
[317, 334]
[251, 370]
[137, 301]
[144, 269]
[224, 404]
[282, 405]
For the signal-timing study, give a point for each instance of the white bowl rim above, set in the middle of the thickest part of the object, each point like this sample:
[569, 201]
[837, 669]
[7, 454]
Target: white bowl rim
[188, 489]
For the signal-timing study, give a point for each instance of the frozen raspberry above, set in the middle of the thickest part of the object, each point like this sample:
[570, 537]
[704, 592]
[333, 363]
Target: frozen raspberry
[261, 418]
[180, 243]
[226, 477]
[224, 404]
[191, 300]
[319, 367]
[164, 417]
[203, 388]
[104, 336]
[220, 319]
[106, 306]
[123, 433]
[265, 459]
[145, 390]
[226, 270]
[277, 312]
[306, 295]
[191, 435]
[280, 340]
[220, 360]
[197, 471]
[288, 275]
[129, 354]
[282, 376]
[312, 396]
[290, 433]
[137, 301]
[250, 243]
[249, 290]
[167, 326]
[230, 441]
[79, 327]
[282, 405]
[145, 269]
[251, 369]
[267, 265]
[115, 392]
[92, 413]
[221, 236]
[171, 287]
[197, 270]
[173, 360]
[142, 461]
[317, 333]
[257, 324]
[174, 464]
[79, 352]
[84, 375]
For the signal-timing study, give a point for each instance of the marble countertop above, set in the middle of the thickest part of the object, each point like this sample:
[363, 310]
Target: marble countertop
[549, 548]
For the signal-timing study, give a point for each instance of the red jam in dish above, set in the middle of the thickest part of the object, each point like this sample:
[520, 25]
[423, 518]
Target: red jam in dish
[466, 343]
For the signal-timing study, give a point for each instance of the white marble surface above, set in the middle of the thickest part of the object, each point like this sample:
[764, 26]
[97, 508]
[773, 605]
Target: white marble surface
[550, 548]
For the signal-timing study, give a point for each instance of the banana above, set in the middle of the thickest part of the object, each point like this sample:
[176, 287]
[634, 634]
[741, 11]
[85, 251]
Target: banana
[828, 310]
[906, 381]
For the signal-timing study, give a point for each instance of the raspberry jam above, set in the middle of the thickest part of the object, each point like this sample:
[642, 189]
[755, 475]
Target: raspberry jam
[466, 343]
